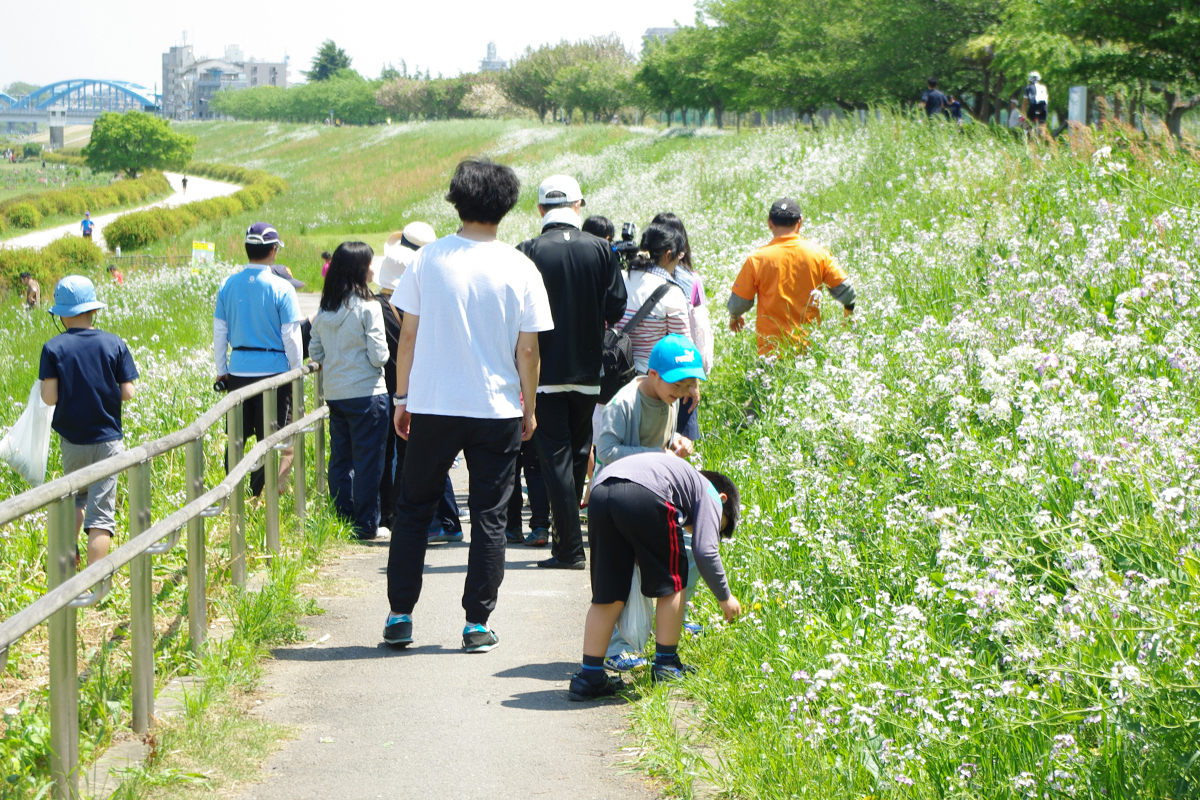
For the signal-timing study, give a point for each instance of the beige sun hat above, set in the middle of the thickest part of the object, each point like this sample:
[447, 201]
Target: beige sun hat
[399, 249]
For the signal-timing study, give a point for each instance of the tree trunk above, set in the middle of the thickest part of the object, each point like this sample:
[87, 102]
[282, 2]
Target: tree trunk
[719, 113]
[983, 100]
[1176, 108]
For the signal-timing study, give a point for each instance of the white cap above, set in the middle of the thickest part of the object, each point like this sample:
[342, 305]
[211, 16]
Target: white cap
[1034, 77]
[564, 189]
[399, 249]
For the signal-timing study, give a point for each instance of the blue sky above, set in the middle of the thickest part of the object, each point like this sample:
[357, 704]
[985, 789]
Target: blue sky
[125, 39]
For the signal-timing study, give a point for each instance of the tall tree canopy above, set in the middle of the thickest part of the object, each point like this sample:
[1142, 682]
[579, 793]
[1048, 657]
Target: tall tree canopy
[134, 141]
[329, 61]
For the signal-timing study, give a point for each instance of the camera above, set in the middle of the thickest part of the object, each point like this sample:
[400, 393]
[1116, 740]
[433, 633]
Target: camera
[627, 248]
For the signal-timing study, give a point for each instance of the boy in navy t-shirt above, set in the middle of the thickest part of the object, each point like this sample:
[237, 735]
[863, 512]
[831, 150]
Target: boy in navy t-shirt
[86, 374]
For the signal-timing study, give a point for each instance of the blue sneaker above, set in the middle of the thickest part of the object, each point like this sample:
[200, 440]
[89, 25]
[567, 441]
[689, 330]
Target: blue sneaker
[438, 536]
[625, 662]
[672, 670]
[398, 629]
[693, 629]
[478, 639]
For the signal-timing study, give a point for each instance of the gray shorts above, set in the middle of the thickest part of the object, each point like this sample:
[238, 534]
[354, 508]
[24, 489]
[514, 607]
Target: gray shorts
[100, 499]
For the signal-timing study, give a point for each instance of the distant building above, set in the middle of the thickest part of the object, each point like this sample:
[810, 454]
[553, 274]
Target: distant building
[491, 63]
[658, 34]
[189, 83]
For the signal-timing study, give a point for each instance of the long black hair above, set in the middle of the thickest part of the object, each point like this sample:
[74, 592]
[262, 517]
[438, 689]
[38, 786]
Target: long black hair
[672, 221]
[657, 241]
[347, 275]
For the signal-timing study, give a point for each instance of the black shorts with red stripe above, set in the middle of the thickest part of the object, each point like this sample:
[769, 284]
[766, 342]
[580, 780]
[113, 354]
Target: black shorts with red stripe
[629, 524]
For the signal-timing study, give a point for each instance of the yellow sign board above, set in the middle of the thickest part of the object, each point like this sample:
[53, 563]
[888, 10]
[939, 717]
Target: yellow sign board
[203, 252]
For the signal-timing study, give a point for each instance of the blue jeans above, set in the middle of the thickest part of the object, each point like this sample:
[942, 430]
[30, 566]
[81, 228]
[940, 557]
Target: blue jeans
[357, 434]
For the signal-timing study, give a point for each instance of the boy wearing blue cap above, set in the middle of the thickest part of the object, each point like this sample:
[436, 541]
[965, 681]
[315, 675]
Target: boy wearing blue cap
[641, 418]
[86, 374]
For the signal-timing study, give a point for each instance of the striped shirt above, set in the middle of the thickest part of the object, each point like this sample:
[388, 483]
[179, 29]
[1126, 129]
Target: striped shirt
[669, 315]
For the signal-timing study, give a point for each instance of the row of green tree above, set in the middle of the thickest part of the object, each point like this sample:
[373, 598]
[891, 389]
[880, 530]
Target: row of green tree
[853, 54]
[336, 91]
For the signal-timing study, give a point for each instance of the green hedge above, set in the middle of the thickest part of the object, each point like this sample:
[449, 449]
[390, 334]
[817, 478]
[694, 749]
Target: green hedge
[59, 157]
[142, 228]
[77, 201]
[66, 255]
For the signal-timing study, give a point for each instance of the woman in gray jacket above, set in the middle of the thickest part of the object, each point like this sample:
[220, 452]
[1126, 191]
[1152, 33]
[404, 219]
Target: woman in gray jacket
[348, 342]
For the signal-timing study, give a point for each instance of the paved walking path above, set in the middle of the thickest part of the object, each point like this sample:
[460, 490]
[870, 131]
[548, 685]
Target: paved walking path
[198, 189]
[431, 721]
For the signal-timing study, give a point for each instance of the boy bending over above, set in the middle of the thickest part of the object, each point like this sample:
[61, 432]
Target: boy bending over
[640, 508]
[641, 419]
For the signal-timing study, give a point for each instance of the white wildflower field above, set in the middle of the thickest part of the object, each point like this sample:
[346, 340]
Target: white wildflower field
[970, 542]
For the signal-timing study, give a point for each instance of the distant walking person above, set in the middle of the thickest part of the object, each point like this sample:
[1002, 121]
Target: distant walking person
[786, 276]
[184, 183]
[87, 226]
[1035, 102]
[934, 100]
[33, 290]
[466, 380]
[257, 315]
[582, 276]
[348, 342]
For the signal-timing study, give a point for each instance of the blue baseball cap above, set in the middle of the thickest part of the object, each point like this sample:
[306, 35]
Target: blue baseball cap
[263, 233]
[675, 358]
[73, 296]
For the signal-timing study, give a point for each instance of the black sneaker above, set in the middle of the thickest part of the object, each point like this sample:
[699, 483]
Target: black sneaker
[585, 689]
[554, 563]
[513, 536]
[478, 639]
[398, 629]
[666, 671]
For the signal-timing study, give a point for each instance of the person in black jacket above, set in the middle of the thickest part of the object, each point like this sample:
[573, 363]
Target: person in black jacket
[582, 276]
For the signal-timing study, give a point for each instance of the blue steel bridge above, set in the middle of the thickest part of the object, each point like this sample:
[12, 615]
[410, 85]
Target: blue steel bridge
[77, 102]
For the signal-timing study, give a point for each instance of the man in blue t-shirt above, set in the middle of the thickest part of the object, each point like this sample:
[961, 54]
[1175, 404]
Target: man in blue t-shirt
[87, 225]
[257, 316]
[86, 374]
[934, 100]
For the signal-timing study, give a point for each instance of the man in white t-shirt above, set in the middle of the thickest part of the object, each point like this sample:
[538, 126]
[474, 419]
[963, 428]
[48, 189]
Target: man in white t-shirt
[466, 379]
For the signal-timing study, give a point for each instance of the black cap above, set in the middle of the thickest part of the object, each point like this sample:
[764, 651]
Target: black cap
[785, 208]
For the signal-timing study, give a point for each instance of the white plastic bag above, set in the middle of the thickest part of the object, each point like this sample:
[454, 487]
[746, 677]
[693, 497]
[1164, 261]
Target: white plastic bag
[636, 622]
[26, 446]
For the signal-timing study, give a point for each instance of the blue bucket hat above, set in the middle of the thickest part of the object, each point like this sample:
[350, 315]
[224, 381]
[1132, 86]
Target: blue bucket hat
[675, 358]
[73, 296]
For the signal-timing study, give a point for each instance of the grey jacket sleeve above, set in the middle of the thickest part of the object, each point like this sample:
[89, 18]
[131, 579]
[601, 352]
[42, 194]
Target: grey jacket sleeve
[706, 537]
[377, 346]
[316, 350]
[843, 293]
[738, 305]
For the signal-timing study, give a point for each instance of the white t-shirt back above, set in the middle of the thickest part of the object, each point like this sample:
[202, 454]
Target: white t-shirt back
[473, 299]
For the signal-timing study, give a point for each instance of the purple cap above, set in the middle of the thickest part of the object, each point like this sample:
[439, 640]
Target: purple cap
[263, 233]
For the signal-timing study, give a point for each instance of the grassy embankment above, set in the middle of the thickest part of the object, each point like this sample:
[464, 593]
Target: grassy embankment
[359, 183]
[968, 552]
